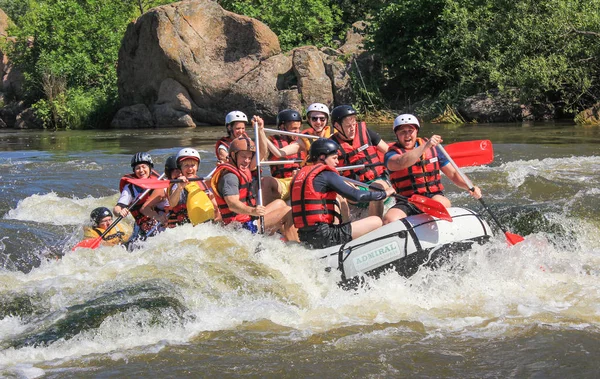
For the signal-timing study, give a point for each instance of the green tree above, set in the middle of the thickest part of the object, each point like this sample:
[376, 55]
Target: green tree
[296, 22]
[67, 48]
[436, 47]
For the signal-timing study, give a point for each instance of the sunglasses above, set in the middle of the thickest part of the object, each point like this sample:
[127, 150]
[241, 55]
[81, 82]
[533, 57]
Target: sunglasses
[318, 119]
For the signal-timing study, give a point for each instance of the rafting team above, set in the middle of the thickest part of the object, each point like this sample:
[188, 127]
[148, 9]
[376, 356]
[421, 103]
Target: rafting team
[305, 199]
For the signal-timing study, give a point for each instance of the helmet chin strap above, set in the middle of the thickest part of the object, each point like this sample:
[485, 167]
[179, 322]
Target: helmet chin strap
[341, 131]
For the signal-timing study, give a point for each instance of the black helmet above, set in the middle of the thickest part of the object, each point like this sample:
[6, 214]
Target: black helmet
[170, 165]
[98, 214]
[142, 158]
[340, 112]
[287, 115]
[323, 146]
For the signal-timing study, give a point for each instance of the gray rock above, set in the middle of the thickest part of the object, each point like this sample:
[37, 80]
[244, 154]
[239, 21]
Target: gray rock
[133, 117]
[224, 61]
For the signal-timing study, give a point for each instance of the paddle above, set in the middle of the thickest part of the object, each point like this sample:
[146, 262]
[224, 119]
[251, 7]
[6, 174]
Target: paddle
[276, 131]
[277, 163]
[258, 171]
[471, 153]
[513, 239]
[93, 243]
[358, 166]
[154, 183]
[422, 203]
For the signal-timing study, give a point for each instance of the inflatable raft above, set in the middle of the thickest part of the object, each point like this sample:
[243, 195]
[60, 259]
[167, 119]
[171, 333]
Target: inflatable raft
[406, 244]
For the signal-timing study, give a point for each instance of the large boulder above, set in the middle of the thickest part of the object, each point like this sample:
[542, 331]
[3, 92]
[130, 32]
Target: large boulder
[214, 61]
[11, 79]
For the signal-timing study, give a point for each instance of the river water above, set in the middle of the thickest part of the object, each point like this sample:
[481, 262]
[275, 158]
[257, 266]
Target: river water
[201, 302]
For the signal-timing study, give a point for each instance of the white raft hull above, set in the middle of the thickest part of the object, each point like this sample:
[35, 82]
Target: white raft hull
[406, 244]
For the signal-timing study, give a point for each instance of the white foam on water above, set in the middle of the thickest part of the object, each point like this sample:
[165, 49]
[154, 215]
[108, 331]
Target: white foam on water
[58, 210]
[225, 278]
[584, 170]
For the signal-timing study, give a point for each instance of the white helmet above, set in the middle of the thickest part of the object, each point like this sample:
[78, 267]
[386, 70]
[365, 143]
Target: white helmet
[317, 107]
[406, 119]
[187, 153]
[235, 116]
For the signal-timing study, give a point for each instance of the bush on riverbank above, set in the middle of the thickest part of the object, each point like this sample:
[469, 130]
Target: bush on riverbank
[446, 50]
[428, 53]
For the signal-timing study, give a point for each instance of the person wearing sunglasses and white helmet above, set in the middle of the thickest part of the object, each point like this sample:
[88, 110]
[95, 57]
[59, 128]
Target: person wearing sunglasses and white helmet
[235, 125]
[416, 165]
[317, 117]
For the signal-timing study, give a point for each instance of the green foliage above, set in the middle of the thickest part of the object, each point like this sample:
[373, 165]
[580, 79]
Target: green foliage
[75, 42]
[14, 9]
[296, 22]
[466, 46]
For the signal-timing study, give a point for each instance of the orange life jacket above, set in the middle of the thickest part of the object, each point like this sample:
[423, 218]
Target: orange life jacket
[246, 195]
[286, 170]
[312, 132]
[144, 222]
[422, 177]
[310, 207]
[226, 141]
[360, 152]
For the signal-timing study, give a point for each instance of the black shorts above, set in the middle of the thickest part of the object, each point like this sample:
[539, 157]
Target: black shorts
[410, 209]
[321, 236]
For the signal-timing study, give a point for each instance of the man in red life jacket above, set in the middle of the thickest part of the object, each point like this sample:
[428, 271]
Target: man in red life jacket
[314, 205]
[235, 124]
[142, 166]
[358, 146]
[235, 185]
[415, 165]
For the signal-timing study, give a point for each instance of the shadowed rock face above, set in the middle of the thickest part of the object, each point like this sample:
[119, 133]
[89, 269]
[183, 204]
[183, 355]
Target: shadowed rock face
[192, 62]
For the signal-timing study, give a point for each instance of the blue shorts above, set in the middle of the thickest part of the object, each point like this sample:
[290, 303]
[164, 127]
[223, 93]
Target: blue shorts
[251, 225]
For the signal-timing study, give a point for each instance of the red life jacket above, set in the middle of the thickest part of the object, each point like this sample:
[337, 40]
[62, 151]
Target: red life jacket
[144, 222]
[360, 152]
[286, 170]
[246, 195]
[422, 177]
[226, 141]
[309, 206]
[178, 215]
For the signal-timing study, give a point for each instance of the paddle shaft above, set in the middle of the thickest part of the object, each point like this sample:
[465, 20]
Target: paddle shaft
[471, 187]
[358, 166]
[99, 239]
[258, 169]
[276, 163]
[285, 133]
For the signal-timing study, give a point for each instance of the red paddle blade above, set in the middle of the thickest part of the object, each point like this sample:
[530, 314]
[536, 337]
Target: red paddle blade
[471, 153]
[513, 239]
[150, 183]
[91, 243]
[430, 206]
